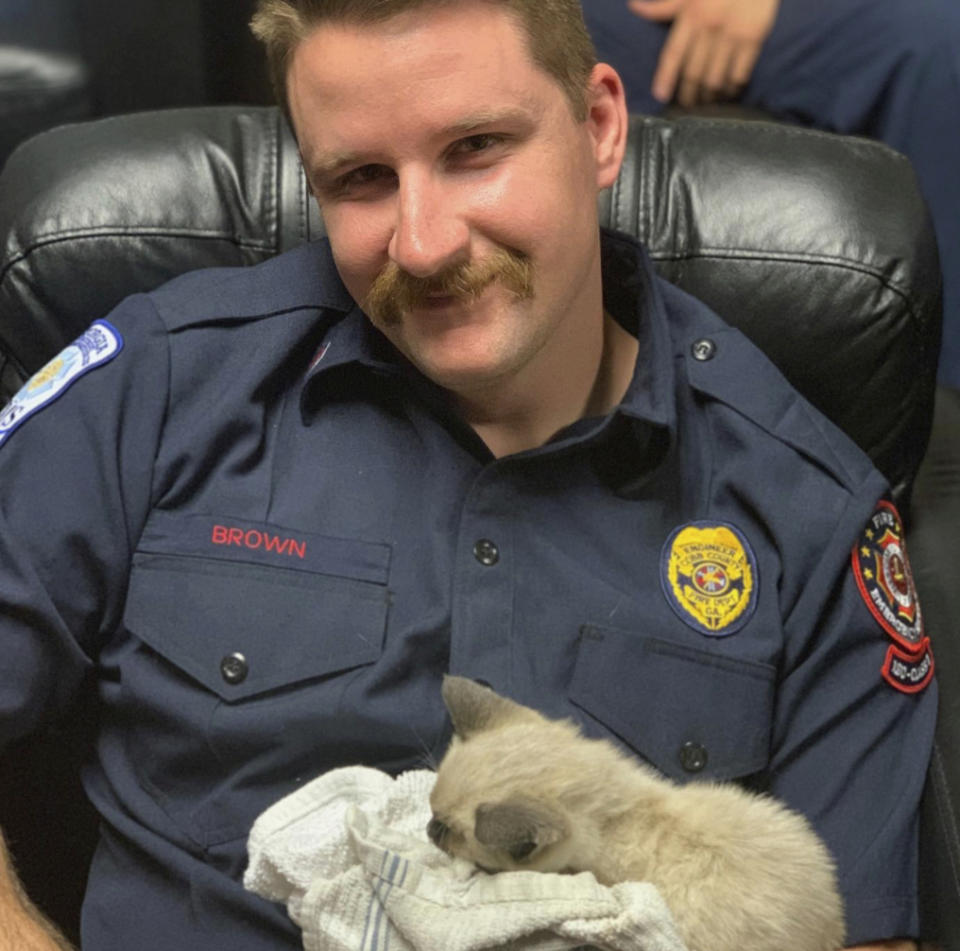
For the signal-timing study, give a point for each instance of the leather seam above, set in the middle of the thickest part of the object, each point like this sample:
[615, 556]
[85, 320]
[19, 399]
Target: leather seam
[270, 197]
[739, 254]
[110, 232]
[773, 128]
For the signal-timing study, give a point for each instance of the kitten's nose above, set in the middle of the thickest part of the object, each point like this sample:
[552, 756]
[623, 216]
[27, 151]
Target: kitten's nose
[436, 831]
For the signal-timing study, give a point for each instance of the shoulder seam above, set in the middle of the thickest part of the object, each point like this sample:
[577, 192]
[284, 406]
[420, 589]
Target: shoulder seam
[833, 467]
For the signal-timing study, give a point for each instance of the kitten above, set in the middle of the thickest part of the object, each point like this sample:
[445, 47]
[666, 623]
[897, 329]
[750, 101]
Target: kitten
[739, 871]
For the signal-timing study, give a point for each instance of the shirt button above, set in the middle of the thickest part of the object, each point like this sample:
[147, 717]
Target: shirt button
[693, 757]
[486, 552]
[703, 349]
[234, 668]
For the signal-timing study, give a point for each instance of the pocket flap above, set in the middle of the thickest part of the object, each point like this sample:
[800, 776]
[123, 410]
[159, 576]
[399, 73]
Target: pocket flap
[693, 714]
[243, 629]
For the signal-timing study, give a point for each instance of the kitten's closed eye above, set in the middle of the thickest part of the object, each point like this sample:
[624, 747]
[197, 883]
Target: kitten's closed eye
[437, 831]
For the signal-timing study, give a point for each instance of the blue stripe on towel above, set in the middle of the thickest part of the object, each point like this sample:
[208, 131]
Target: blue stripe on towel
[370, 907]
[386, 880]
[403, 877]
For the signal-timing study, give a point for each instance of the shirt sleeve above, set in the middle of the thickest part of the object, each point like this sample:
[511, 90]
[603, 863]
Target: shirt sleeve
[855, 716]
[77, 446]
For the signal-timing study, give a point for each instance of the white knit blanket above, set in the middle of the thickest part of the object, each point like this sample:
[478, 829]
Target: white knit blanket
[349, 856]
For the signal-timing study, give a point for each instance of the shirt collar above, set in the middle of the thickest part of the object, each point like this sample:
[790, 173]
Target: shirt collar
[631, 296]
[351, 340]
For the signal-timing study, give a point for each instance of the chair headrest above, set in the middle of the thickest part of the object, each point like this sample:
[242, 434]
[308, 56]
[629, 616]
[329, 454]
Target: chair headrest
[817, 246]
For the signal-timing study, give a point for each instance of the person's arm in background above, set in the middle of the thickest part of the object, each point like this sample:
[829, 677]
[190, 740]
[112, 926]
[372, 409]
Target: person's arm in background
[22, 926]
[711, 48]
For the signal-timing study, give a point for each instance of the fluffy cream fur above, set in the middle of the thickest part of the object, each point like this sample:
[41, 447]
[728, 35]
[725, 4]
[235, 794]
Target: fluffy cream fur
[740, 872]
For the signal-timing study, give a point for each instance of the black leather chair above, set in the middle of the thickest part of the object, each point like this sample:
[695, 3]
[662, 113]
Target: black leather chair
[818, 247]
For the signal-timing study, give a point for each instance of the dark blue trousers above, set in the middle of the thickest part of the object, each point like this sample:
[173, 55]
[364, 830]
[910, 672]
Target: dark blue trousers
[888, 69]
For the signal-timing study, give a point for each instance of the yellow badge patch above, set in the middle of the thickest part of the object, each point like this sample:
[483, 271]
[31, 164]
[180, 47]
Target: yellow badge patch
[709, 576]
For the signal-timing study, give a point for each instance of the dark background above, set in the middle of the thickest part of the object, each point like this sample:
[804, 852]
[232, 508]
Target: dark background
[148, 54]
[135, 55]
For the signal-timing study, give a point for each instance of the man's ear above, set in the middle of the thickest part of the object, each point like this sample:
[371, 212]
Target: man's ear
[607, 122]
[519, 827]
[474, 707]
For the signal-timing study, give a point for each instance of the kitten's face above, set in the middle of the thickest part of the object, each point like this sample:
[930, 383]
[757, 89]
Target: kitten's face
[499, 796]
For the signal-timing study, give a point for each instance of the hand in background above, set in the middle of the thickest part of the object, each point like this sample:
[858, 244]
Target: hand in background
[711, 48]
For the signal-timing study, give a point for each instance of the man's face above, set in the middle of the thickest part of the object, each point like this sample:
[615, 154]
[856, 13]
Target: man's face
[441, 156]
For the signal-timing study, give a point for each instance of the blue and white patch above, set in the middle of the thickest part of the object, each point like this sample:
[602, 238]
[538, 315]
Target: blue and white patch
[98, 345]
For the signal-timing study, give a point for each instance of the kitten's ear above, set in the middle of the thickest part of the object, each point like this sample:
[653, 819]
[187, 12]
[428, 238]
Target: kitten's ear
[474, 707]
[518, 827]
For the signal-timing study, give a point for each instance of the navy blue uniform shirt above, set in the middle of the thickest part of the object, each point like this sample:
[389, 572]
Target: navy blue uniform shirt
[267, 537]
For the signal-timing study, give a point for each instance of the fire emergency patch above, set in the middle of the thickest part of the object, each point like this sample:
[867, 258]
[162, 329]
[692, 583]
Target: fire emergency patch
[708, 573]
[883, 575]
[908, 671]
[99, 344]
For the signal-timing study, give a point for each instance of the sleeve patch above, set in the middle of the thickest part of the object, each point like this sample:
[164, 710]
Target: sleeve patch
[883, 575]
[909, 672]
[97, 346]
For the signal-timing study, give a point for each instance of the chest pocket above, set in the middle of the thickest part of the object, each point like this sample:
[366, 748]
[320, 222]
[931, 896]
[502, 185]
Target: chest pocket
[692, 714]
[233, 671]
[241, 630]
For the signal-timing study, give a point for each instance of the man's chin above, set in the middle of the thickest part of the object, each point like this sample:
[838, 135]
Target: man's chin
[462, 377]
[463, 365]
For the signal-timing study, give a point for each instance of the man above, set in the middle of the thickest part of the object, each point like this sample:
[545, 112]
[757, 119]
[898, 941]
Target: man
[278, 520]
[887, 69]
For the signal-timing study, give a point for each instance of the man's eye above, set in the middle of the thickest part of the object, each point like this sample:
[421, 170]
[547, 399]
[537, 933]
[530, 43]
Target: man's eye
[477, 144]
[364, 175]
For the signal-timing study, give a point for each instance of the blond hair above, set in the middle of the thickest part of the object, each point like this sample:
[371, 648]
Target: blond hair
[556, 34]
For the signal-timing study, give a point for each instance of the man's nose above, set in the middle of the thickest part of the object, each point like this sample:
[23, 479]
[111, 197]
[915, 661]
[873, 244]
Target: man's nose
[429, 234]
